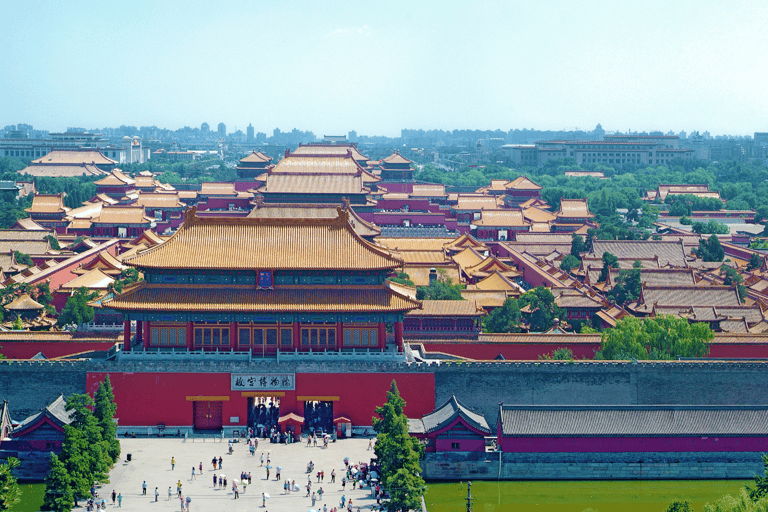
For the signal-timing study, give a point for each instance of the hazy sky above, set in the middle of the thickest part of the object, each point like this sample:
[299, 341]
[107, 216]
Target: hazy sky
[377, 67]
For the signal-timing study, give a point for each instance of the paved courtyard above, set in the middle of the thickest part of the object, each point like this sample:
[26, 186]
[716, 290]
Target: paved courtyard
[151, 462]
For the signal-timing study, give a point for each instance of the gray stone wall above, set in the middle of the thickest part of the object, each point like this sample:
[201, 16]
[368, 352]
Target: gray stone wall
[30, 386]
[588, 466]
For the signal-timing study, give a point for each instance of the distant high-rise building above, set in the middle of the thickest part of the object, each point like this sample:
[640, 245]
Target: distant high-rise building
[222, 130]
[205, 128]
[352, 137]
[249, 132]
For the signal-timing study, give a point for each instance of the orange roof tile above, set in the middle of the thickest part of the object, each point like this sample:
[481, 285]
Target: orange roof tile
[254, 243]
[217, 188]
[331, 149]
[314, 183]
[467, 258]
[295, 163]
[342, 299]
[448, 308]
[69, 157]
[47, 203]
[574, 208]
[396, 158]
[502, 218]
[115, 178]
[24, 303]
[522, 183]
[63, 171]
[122, 215]
[256, 157]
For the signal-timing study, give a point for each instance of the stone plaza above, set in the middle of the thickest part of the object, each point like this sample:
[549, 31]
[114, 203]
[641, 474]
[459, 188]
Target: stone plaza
[151, 463]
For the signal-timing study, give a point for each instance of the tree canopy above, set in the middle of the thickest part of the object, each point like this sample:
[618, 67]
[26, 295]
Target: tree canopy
[77, 311]
[10, 493]
[398, 454]
[541, 312]
[710, 249]
[440, 289]
[662, 337]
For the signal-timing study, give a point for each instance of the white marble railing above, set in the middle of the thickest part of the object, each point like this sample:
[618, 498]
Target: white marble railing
[155, 354]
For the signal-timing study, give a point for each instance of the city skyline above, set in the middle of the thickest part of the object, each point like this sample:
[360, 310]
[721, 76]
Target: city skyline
[378, 69]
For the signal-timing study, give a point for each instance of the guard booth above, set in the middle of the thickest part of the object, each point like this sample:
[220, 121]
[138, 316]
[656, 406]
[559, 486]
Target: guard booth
[291, 424]
[343, 427]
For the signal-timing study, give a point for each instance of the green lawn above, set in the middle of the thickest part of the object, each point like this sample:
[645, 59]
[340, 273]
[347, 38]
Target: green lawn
[576, 496]
[31, 498]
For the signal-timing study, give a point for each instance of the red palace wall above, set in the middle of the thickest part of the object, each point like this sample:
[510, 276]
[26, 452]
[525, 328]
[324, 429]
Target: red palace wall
[632, 444]
[50, 349]
[146, 399]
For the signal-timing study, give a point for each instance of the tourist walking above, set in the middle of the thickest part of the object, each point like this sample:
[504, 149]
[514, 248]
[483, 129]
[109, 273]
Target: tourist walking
[193, 473]
[314, 498]
[201, 468]
[262, 459]
[173, 463]
[169, 493]
[214, 480]
[144, 488]
[213, 461]
[234, 490]
[157, 494]
[220, 461]
[263, 500]
[119, 499]
[343, 500]
[114, 497]
[333, 476]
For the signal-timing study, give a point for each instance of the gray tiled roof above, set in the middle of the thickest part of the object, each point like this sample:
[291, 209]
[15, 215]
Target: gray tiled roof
[448, 412]
[671, 253]
[57, 411]
[633, 420]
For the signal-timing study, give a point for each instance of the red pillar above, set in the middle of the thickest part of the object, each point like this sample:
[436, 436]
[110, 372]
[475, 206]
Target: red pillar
[233, 335]
[127, 335]
[296, 336]
[399, 336]
[382, 335]
[139, 332]
[147, 332]
[339, 335]
[190, 336]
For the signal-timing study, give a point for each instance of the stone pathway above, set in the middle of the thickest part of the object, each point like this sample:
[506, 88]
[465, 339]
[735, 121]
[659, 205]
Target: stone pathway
[151, 462]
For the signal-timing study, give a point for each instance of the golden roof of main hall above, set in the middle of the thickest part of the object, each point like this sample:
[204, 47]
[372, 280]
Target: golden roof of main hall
[47, 203]
[246, 299]
[266, 243]
[331, 149]
[77, 157]
[115, 178]
[314, 183]
[256, 157]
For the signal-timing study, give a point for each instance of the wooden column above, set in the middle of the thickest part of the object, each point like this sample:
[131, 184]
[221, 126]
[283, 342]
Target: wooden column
[233, 335]
[399, 336]
[127, 335]
[296, 335]
[139, 332]
[339, 335]
[190, 335]
[382, 335]
[147, 332]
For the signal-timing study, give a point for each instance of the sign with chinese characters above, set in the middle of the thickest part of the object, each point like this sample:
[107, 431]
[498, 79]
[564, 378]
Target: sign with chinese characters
[263, 381]
[265, 280]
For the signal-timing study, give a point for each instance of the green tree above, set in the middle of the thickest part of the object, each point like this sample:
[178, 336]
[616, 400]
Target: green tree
[58, 492]
[542, 307]
[710, 249]
[627, 286]
[54, 242]
[569, 262]
[75, 457]
[10, 493]
[578, 246]
[662, 337]
[398, 454]
[127, 277]
[679, 506]
[761, 483]
[77, 311]
[440, 289]
[507, 318]
[402, 278]
[23, 259]
[739, 503]
[104, 410]
[686, 221]
[609, 261]
[755, 262]
[560, 354]
[731, 276]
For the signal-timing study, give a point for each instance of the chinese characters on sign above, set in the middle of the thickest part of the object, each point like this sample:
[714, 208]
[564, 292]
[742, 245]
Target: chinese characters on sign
[263, 381]
[265, 280]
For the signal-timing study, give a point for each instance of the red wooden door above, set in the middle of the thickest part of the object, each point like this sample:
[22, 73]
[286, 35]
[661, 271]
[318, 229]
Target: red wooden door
[208, 415]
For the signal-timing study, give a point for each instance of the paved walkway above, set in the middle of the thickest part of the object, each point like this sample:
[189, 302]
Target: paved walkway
[151, 462]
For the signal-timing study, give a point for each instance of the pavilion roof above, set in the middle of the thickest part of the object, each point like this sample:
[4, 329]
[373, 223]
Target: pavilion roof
[451, 308]
[314, 183]
[217, 189]
[24, 303]
[74, 157]
[266, 243]
[451, 410]
[463, 241]
[496, 281]
[56, 411]
[522, 183]
[122, 215]
[396, 158]
[247, 299]
[47, 203]
[115, 178]
[63, 171]
[501, 218]
[468, 258]
[27, 224]
[256, 157]
[574, 208]
[535, 214]
[93, 280]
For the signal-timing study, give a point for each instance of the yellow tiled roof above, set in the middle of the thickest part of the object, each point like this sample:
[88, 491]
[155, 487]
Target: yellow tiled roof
[23, 303]
[63, 156]
[256, 157]
[396, 158]
[422, 256]
[477, 203]
[93, 280]
[87, 211]
[63, 171]
[221, 189]
[522, 183]
[495, 282]
[314, 183]
[312, 211]
[465, 240]
[412, 244]
[159, 200]
[538, 215]
[316, 165]
[47, 203]
[341, 299]
[574, 208]
[501, 218]
[428, 190]
[490, 264]
[80, 224]
[331, 149]
[467, 258]
[115, 178]
[254, 243]
[448, 308]
[122, 215]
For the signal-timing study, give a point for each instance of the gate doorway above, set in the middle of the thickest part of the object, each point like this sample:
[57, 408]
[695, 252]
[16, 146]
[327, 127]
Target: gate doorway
[318, 417]
[207, 415]
[263, 413]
